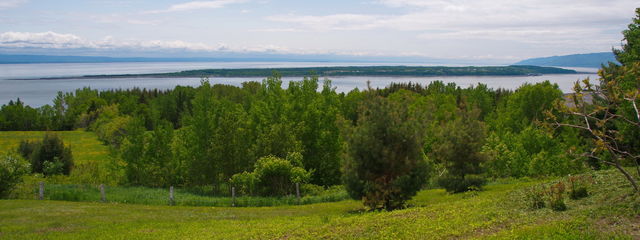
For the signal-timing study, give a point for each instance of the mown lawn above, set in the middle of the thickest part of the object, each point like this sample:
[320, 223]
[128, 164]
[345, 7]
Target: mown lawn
[91, 158]
[499, 212]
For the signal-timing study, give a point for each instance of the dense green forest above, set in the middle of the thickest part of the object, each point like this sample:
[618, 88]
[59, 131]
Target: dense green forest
[407, 71]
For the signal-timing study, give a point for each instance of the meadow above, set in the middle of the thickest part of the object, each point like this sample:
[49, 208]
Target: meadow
[92, 160]
[498, 212]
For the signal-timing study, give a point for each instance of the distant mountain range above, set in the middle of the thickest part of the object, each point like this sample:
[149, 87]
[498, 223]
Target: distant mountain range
[590, 60]
[21, 59]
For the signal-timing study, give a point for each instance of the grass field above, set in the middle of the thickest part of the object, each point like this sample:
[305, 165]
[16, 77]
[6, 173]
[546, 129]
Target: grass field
[91, 158]
[499, 212]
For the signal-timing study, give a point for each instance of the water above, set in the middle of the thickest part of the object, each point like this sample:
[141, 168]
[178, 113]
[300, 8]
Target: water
[40, 92]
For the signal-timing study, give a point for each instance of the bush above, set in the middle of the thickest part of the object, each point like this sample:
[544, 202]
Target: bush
[556, 197]
[12, 168]
[578, 186]
[48, 156]
[535, 196]
[244, 182]
[455, 184]
[272, 176]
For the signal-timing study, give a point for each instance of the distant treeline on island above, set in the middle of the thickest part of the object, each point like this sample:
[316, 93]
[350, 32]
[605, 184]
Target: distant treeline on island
[411, 71]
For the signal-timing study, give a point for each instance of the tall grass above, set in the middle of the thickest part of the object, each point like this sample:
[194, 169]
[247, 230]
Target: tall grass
[182, 197]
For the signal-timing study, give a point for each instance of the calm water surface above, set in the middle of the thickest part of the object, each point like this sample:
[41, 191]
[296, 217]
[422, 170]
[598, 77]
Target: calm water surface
[40, 92]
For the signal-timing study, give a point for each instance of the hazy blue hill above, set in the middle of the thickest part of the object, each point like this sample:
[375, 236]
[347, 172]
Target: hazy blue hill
[575, 60]
[19, 59]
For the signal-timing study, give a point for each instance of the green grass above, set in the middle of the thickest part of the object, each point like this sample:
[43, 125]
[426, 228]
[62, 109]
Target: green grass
[91, 158]
[499, 212]
[156, 196]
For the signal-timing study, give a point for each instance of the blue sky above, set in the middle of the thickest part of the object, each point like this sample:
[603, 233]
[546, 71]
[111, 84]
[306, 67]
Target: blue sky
[492, 30]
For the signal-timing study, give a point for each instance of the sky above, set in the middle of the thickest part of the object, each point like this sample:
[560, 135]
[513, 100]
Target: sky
[491, 30]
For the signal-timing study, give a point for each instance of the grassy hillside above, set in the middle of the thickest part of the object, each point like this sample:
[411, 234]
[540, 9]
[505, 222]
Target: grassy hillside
[91, 157]
[500, 212]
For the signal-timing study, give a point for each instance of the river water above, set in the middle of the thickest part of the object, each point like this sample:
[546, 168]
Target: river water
[40, 92]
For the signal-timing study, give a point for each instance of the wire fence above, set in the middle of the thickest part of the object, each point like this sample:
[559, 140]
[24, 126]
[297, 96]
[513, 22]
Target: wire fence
[176, 196]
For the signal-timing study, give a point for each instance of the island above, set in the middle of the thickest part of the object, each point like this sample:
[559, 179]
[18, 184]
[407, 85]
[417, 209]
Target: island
[386, 71]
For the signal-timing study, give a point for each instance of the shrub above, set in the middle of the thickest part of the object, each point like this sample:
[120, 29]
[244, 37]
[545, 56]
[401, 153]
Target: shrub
[26, 148]
[48, 156]
[578, 186]
[12, 168]
[272, 176]
[455, 184]
[556, 197]
[311, 189]
[244, 182]
[535, 197]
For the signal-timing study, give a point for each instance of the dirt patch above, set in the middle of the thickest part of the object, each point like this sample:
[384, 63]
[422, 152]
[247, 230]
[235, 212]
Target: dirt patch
[620, 225]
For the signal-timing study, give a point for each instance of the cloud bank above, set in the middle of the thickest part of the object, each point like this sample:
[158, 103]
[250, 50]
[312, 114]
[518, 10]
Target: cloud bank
[589, 22]
[5, 4]
[196, 5]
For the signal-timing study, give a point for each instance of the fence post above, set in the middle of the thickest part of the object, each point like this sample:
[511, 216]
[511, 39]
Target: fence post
[171, 199]
[41, 191]
[233, 196]
[298, 192]
[103, 197]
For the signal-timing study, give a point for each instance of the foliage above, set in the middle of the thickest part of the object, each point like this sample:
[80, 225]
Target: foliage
[16, 116]
[245, 183]
[273, 176]
[458, 148]
[535, 197]
[556, 197]
[630, 51]
[530, 152]
[457, 184]
[578, 186]
[525, 106]
[385, 165]
[49, 156]
[148, 157]
[110, 125]
[12, 168]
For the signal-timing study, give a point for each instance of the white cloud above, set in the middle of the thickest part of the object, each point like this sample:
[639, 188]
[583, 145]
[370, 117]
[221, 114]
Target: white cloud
[196, 5]
[4, 4]
[52, 40]
[62, 41]
[41, 40]
[536, 23]
[330, 22]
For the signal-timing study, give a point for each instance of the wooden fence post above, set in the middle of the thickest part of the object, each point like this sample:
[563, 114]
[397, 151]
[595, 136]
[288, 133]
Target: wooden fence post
[233, 196]
[41, 191]
[103, 197]
[171, 199]
[298, 192]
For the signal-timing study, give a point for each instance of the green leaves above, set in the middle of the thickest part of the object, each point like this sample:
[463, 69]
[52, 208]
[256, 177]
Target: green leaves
[385, 165]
